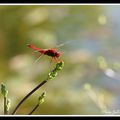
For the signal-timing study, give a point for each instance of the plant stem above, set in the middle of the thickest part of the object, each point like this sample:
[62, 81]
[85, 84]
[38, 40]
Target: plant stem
[34, 109]
[5, 106]
[29, 94]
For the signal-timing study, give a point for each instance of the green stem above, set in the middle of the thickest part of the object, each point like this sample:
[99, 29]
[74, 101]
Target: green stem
[28, 95]
[34, 109]
[5, 106]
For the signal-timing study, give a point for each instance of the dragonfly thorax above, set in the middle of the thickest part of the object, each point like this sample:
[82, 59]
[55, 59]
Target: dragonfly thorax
[52, 53]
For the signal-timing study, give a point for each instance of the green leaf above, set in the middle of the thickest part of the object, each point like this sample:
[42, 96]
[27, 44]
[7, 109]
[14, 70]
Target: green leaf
[41, 98]
[53, 73]
[8, 104]
[4, 91]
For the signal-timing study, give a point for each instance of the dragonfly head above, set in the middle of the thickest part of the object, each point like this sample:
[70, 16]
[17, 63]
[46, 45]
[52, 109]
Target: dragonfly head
[57, 54]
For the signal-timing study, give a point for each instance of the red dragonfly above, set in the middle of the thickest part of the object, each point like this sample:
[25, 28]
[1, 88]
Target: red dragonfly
[49, 52]
[52, 52]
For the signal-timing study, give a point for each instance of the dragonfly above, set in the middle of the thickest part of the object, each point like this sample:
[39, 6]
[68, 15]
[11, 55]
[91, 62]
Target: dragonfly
[51, 52]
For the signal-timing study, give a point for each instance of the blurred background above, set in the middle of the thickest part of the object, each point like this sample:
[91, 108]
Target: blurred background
[89, 84]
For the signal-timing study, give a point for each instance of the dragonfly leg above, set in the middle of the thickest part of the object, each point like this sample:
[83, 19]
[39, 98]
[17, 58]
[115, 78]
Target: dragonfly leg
[51, 63]
[55, 59]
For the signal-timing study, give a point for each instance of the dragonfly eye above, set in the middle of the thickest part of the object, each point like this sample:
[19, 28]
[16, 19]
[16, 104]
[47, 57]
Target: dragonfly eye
[57, 54]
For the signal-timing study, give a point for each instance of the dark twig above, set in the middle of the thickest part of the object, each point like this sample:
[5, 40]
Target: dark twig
[34, 109]
[29, 94]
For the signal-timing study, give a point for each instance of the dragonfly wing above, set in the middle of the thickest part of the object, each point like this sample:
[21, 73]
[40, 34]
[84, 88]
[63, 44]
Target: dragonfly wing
[62, 44]
[40, 56]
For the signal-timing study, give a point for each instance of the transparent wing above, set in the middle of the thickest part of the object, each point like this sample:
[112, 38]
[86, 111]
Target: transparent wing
[40, 56]
[62, 44]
